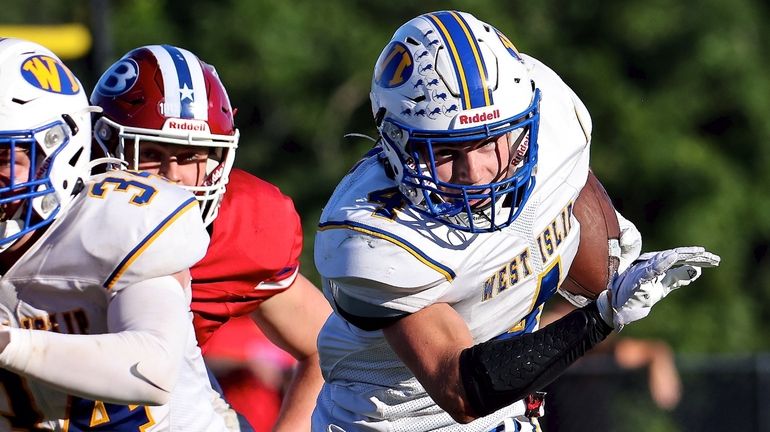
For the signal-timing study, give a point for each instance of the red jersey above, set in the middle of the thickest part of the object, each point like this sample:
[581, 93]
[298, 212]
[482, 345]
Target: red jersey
[256, 241]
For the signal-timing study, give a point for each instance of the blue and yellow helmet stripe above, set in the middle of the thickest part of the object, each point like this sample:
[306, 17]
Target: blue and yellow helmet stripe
[465, 54]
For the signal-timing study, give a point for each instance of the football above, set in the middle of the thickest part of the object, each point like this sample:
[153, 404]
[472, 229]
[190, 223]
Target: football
[597, 257]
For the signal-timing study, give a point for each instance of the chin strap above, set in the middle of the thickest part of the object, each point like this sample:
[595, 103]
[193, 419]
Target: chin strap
[109, 162]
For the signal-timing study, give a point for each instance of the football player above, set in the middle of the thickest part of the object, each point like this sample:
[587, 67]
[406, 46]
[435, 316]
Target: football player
[440, 247]
[166, 112]
[95, 329]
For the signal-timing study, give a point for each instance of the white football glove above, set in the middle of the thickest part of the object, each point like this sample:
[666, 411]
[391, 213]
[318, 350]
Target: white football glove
[648, 280]
[630, 242]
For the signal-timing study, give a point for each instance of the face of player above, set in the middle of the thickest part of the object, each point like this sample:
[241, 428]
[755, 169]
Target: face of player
[14, 168]
[181, 164]
[474, 162]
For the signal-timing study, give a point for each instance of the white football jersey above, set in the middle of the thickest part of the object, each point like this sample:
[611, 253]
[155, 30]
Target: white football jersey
[376, 254]
[122, 228]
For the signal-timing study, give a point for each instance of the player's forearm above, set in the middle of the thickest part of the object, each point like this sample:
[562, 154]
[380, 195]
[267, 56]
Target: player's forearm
[106, 367]
[429, 342]
[498, 373]
[300, 398]
[136, 363]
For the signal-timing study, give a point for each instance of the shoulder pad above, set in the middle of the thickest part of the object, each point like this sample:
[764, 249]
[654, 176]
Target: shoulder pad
[123, 228]
[341, 252]
[253, 213]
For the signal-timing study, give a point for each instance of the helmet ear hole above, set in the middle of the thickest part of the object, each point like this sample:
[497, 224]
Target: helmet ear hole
[103, 131]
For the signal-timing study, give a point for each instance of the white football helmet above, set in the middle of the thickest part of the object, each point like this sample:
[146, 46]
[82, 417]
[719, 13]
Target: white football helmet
[167, 95]
[448, 78]
[44, 112]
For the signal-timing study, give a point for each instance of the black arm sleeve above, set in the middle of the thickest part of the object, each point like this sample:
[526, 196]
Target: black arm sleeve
[498, 373]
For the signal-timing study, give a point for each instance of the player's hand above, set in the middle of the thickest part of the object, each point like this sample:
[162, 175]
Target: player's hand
[630, 242]
[648, 280]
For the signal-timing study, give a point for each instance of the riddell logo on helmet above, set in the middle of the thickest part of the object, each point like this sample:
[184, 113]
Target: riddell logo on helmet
[215, 175]
[186, 125]
[478, 117]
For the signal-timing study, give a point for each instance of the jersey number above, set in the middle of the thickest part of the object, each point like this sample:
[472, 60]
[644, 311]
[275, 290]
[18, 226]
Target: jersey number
[142, 192]
[547, 284]
[20, 413]
[389, 200]
[88, 415]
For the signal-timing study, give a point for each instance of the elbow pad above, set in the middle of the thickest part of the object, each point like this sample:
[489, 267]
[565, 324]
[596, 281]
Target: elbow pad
[498, 373]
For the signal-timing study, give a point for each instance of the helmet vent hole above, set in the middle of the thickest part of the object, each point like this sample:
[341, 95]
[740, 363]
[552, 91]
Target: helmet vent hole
[74, 160]
[19, 101]
[78, 186]
[380, 116]
[411, 41]
[419, 99]
[71, 123]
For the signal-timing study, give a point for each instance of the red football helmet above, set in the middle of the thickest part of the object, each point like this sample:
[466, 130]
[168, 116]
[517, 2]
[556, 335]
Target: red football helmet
[166, 94]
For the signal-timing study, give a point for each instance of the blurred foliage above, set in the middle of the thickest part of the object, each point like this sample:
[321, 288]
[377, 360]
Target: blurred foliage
[678, 91]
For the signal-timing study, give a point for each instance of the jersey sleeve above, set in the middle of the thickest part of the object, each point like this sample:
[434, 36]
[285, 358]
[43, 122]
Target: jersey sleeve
[274, 225]
[128, 227]
[164, 237]
[376, 276]
[288, 236]
[256, 238]
[176, 243]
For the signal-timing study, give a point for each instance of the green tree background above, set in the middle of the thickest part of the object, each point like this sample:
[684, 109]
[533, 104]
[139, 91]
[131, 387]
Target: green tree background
[678, 91]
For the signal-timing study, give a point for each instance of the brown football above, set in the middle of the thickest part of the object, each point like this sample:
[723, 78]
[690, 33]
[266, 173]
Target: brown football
[593, 266]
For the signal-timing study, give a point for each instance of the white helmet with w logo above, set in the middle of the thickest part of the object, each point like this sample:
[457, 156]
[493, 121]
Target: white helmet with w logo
[45, 118]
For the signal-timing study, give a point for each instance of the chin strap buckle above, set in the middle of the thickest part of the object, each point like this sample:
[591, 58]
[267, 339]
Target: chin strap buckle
[535, 404]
